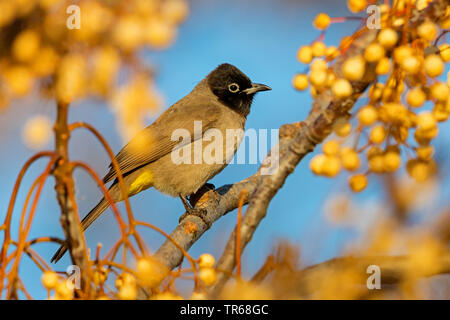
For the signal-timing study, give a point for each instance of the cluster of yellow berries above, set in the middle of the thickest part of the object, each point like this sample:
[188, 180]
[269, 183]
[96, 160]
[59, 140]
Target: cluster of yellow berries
[68, 63]
[37, 132]
[408, 78]
[148, 274]
[207, 272]
[62, 289]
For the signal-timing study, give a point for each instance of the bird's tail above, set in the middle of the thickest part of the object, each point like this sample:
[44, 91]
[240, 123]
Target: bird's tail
[85, 223]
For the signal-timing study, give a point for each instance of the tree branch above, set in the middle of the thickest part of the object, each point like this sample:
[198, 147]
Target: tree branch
[65, 193]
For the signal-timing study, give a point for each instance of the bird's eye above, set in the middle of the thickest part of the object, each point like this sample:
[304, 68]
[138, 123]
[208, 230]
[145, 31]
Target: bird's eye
[233, 87]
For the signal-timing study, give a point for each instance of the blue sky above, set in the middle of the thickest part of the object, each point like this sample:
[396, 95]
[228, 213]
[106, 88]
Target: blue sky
[261, 38]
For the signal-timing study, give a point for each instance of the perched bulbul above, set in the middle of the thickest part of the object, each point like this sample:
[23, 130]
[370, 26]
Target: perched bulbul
[221, 101]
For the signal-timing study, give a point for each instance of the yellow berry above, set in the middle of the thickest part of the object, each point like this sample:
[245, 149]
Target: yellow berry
[374, 52]
[358, 182]
[418, 170]
[318, 49]
[433, 65]
[8, 10]
[393, 112]
[423, 137]
[319, 64]
[367, 115]
[166, 296]
[128, 33]
[398, 22]
[444, 51]
[416, 97]
[208, 276]
[387, 38]
[356, 5]
[304, 54]
[410, 64]
[318, 77]
[350, 159]
[62, 290]
[376, 91]
[26, 46]
[331, 78]
[331, 166]
[175, 11]
[206, 260]
[317, 164]
[330, 148]
[300, 82]
[100, 276]
[392, 161]
[49, 280]
[440, 91]
[376, 163]
[354, 68]
[426, 121]
[425, 152]
[37, 132]
[159, 33]
[127, 292]
[198, 296]
[18, 79]
[383, 66]
[377, 134]
[427, 30]
[125, 279]
[331, 52]
[342, 128]
[421, 4]
[401, 53]
[445, 23]
[45, 62]
[151, 272]
[440, 113]
[342, 88]
[322, 21]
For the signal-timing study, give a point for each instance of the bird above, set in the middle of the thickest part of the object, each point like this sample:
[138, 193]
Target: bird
[220, 102]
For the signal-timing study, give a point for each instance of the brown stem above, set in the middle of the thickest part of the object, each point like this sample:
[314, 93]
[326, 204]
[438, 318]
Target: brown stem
[65, 193]
[23, 232]
[7, 224]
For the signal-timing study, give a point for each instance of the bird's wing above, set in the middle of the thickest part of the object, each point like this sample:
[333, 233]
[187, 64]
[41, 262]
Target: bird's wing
[154, 141]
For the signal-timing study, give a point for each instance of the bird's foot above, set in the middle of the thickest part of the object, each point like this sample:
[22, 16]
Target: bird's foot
[199, 212]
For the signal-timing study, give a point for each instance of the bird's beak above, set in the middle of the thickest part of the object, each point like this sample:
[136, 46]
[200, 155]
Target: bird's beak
[256, 87]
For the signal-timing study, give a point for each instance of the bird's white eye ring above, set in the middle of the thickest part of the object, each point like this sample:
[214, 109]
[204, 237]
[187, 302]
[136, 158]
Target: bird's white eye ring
[234, 87]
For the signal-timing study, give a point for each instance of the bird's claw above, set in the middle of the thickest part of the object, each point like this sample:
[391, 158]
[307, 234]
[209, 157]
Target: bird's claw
[199, 212]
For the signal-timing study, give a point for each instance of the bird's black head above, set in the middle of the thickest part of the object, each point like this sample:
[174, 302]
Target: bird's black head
[234, 88]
